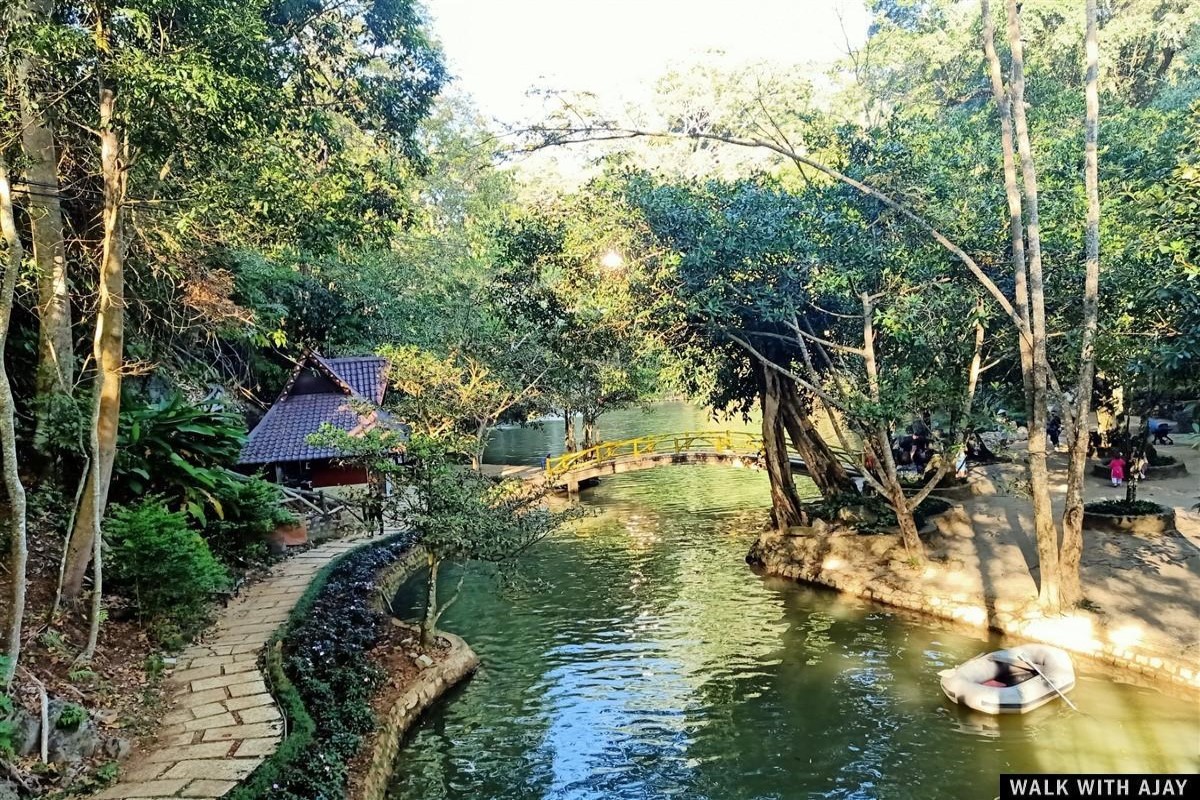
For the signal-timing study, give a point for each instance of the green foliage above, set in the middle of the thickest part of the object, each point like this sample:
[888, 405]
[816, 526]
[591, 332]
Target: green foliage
[872, 514]
[252, 510]
[1123, 507]
[464, 515]
[180, 451]
[166, 568]
[323, 680]
[71, 717]
[8, 727]
[106, 774]
[600, 354]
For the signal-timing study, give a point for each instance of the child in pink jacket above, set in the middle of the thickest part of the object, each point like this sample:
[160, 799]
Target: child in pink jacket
[1117, 469]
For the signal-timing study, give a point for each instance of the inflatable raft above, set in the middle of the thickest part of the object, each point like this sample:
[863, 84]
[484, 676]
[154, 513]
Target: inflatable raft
[1012, 681]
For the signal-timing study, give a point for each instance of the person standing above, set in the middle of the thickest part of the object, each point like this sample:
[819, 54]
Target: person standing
[1140, 465]
[1116, 469]
[1054, 430]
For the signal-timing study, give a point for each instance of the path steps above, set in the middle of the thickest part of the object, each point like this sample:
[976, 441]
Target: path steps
[223, 722]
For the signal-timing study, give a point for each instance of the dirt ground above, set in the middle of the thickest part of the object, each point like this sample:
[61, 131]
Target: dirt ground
[1139, 590]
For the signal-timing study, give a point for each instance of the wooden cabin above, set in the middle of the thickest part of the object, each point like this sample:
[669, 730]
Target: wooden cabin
[344, 392]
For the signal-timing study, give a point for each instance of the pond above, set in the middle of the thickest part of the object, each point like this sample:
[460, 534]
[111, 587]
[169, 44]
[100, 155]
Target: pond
[639, 657]
[528, 444]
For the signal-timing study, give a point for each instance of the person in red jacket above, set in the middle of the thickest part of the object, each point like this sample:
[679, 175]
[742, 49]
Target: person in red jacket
[1117, 469]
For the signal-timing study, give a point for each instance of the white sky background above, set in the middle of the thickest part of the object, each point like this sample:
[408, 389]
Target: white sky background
[498, 49]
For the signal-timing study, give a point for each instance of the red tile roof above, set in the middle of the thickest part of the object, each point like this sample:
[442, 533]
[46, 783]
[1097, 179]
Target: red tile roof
[358, 386]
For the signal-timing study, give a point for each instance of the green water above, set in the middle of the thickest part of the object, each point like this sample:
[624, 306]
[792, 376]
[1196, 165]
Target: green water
[529, 444]
[641, 658]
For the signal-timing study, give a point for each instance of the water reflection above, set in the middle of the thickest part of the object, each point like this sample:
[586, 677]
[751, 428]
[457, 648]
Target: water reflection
[645, 660]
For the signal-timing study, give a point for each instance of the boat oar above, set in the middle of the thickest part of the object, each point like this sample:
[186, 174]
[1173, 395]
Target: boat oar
[1042, 675]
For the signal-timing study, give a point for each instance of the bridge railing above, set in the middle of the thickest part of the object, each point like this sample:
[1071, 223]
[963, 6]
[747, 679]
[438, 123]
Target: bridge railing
[736, 442]
[721, 442]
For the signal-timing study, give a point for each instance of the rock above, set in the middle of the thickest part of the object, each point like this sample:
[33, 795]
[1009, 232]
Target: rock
[820, 527]
[71, 745]
[116, 747]
[424, 661]
[26, 738]
[857, 514]
[8, 791]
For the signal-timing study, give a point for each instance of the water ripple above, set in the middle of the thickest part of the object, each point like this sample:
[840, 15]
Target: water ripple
[651, 663]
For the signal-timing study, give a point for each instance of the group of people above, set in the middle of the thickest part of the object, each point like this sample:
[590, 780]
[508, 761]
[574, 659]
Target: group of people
[915, 449]
[1118, 465]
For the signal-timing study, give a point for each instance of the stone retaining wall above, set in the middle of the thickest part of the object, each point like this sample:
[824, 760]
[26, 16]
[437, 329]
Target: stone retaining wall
[433, 682]
[1129, 523]
[817, 560]
[430, 685]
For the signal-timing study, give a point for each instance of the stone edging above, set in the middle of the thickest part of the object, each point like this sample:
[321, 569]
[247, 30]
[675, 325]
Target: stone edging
[459, 664]
[1034, 627]
[224, 722]
[1131, 523]
[430, 685]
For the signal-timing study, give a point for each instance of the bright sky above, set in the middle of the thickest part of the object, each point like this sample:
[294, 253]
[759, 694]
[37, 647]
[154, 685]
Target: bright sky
[499, 49]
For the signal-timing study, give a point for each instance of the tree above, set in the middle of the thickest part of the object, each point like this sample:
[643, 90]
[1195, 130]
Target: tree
[462, 517]
[262, 82]
[459, 515]
[455, 397]
[55, 368]
[818, 158]
[11, 265]
[568, 269]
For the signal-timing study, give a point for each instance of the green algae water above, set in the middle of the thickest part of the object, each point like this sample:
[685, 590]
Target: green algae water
[639, 657]
[530, 444]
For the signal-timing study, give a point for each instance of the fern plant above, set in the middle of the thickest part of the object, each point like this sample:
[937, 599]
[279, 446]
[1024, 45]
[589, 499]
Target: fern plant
[179, 450]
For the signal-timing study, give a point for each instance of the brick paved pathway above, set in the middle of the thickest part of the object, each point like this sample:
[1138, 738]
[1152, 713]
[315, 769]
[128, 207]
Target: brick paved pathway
[223, 722]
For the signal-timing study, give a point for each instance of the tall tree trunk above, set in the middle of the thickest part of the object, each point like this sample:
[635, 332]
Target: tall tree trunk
[107, 351]
[1012, 192]
[883, 444]
[785, 502]
[569, 441]
[823, 466]
[56, 363]
[591, 429]
[1072, 544]
[429, 620]
[8, 435]
[1045, 530]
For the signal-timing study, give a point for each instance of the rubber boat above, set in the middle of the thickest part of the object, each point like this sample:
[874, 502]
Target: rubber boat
[1012, 681]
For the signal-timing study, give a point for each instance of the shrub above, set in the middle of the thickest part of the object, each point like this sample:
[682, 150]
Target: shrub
[252, 510]
[71, 717]
[324, 680]
[163, 565]
[179, 450]
[1135, 509]
[875, 506]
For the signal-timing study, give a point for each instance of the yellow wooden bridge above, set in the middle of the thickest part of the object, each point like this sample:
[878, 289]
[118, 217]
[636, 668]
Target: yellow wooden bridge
[735, 448]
